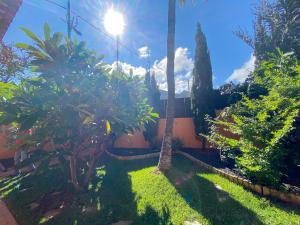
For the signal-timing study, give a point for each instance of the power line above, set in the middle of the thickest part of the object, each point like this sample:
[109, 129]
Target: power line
[93, 26]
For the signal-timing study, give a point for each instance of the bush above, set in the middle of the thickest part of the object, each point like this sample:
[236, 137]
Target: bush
[72, 102]
[265, 125]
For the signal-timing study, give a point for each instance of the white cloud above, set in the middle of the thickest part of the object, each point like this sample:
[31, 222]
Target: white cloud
[240, 74]
[125, 67]
[183, 70]
[182, 61]
[144, 52]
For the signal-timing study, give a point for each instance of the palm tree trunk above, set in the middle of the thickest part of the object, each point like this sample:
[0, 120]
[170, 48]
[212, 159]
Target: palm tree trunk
[166, 148]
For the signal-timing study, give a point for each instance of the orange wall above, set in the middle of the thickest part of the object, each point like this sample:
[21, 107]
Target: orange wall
[135, 140]
[183, 129]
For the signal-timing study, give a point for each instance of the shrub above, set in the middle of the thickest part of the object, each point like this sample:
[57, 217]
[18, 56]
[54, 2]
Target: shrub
[265, 125]
[72, 102]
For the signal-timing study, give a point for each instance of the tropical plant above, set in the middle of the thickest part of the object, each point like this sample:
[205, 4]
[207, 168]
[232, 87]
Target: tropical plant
[202, 102]
[72, 104]
[265, 129]
[12, 63]
[277, 25]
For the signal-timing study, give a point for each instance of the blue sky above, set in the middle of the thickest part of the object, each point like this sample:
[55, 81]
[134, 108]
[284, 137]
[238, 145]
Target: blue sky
[146, 26]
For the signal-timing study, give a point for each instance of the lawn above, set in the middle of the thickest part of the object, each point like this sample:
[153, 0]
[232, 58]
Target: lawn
[129, 190]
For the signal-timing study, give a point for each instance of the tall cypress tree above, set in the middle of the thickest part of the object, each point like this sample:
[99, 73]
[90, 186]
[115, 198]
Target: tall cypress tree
[202, 89]
[153, 96]
[155, 93]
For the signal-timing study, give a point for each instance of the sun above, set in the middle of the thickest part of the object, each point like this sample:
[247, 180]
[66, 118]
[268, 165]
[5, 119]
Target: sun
[114, 22]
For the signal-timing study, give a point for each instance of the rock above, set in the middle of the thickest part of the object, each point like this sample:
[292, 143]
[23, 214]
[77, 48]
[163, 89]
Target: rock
[123, 222]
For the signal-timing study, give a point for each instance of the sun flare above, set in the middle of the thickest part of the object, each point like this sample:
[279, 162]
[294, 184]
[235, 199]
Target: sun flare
[114, 22]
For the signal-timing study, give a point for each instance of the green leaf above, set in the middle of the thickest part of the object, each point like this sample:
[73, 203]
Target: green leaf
[47, 31]
[32, 36]
[154, 115]
[23, 46]
[57, 37]
[7, 90]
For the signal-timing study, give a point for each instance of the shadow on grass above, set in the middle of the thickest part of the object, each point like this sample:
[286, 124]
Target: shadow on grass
[109, 198]
[207, 198]
[152, 217]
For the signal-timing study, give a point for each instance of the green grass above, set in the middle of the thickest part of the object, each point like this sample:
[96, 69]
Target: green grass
[129, 190]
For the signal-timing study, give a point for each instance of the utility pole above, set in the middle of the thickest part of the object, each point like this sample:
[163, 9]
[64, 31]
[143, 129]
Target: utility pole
[117, 38]
[69, 19]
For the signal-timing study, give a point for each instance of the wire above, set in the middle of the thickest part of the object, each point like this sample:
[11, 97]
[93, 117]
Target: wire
[93, 26]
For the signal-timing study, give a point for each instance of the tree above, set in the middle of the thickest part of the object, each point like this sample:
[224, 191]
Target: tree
[202, 96]
[266, 129]
[71, 104]
[155, 93]
[165, 157]
[277, 25]
[12, 63]
[153, 96]
[166, 148]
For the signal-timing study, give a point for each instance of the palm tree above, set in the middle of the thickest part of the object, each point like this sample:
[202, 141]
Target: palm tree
[165, 158]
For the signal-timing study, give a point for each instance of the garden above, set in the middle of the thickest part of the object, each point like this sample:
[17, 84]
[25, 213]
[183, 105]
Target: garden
[63, 107]
[130, 191]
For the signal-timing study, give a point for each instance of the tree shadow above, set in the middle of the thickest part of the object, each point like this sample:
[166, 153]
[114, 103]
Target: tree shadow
[209, 199]
[109, 198]
[151, 216]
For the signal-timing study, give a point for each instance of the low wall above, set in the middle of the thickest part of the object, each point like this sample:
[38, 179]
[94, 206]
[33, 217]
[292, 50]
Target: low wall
[259, 189]
[183, 129]
[262, 190]
[135, 140]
